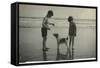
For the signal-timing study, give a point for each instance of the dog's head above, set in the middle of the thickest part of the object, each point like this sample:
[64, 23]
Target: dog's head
[55, 35]
[67, 38]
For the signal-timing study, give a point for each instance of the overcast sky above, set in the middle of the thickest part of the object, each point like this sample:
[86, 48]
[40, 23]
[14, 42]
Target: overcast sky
[59, 12]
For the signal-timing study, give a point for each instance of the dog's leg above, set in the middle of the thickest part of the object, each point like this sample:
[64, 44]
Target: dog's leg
[57, 39]
[58, 51]
[68, 50]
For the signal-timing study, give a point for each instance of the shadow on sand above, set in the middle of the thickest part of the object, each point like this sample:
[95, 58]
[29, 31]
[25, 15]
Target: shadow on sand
[67, 56]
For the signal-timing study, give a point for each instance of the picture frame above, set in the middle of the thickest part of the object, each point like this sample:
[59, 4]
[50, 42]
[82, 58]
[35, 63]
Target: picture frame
[29, 38]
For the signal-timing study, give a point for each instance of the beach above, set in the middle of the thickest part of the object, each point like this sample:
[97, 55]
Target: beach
[30, 43]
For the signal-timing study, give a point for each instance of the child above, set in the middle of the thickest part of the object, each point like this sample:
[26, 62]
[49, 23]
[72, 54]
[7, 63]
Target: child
[72, 34]
[45, 28]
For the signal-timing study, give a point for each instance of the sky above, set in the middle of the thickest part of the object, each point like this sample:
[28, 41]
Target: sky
[59, 12]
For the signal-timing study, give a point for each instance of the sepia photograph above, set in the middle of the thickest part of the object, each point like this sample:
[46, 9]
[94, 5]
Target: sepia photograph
[49, 33]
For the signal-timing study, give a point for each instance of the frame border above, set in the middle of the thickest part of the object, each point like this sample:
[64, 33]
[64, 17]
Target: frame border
[16, 46]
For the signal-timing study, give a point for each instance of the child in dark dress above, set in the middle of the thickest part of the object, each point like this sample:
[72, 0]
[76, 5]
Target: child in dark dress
[72, 34]
[45, 28]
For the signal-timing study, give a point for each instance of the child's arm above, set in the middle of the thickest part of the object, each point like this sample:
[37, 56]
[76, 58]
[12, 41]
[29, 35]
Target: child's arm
[51, 24]
[75, 29]
[45, 24]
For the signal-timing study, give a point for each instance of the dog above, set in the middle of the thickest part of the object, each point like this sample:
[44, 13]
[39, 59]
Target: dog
[59, 42]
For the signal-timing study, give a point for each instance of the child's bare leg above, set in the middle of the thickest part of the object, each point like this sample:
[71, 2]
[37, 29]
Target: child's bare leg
[69, 41]
[72, 47]
[67, 53]
[44, 42]
[69, 47]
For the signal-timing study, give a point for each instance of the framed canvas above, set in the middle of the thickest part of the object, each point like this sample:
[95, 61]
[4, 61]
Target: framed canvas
[52, 33]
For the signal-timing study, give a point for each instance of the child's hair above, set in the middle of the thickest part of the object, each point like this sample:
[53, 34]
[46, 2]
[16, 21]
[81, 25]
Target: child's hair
[70, 18]
[50, 13]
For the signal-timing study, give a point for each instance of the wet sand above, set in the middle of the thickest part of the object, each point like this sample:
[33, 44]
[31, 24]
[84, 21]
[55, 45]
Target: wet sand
[30, 44]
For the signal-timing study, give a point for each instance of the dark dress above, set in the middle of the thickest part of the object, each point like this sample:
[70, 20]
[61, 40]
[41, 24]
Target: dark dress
[72, 29]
